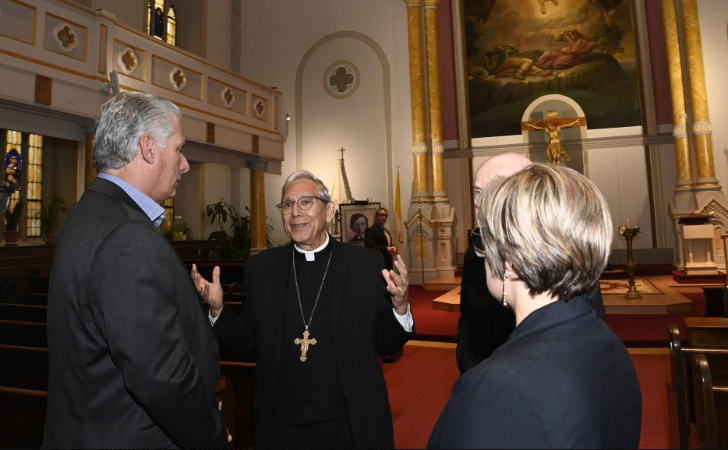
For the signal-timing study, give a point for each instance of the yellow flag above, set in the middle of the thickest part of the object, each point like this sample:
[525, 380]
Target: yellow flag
[400, 238]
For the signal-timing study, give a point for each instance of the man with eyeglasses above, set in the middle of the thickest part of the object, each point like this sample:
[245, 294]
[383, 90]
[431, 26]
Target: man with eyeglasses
[485, 324]
[379, 239]
[317, 316]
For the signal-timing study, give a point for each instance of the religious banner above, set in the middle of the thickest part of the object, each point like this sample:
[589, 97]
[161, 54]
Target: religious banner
[519, 51]
[400, 237]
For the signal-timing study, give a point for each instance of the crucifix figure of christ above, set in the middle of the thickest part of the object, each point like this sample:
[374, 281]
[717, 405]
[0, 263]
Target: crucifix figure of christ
[304, 343]
[553, 127]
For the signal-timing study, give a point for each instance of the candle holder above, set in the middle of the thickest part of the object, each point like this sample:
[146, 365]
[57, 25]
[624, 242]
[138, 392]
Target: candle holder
[629, 231]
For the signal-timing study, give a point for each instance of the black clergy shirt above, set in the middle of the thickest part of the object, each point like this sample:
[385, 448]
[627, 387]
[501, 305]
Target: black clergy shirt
[309, 392]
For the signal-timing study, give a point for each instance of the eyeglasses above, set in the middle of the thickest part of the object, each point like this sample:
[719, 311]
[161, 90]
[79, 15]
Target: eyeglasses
[304, 204]
[383, 215]
[476, 239]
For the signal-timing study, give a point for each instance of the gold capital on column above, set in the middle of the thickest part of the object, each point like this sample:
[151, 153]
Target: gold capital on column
[433, 79]
[699, 94]
[89, 169]
[679, 116]
[417, 90]
[258, 229]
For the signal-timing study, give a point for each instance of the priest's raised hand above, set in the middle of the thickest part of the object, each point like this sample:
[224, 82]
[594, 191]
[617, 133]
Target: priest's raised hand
[398, 286]
[212, 293]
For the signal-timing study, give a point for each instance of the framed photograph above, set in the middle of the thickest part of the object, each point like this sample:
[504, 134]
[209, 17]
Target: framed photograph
[515, 52]
[356, 218]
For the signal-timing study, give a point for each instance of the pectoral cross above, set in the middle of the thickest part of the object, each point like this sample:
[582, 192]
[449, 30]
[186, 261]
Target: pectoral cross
[304, 343]
[553, 127]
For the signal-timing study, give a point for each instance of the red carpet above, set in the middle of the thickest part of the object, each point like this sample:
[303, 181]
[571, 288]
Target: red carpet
[634, 330]
[421, 381]
[432, 324]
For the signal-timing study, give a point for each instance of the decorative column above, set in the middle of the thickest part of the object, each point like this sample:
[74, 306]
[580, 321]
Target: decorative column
[433, 79]
[417, 86]
[258, 229]
[702, 128]
[679, 116]
[90, 170]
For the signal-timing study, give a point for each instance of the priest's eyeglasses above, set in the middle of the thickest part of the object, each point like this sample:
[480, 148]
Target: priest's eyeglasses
[304, 204]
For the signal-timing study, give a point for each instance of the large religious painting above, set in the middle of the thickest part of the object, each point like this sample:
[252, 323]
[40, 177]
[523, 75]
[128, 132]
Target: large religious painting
[356, 218]
[518, 51]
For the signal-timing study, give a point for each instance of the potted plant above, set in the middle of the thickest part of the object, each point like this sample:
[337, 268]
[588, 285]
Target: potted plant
[220, 212]
[12, 223]
[240, 242]
[177, 232]
[53, 206]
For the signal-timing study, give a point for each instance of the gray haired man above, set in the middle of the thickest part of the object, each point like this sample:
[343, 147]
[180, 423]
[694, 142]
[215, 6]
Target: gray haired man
[133, 361]
[317, 316]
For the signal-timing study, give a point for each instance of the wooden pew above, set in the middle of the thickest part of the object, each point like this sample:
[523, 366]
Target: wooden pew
[681, 411]
[716, 302]
[711, 406]
[25, 334]
[240, 383]
[24, 367]
[23, 313]
[34, 299]
[11, 289]
[22, 417]
[707, 332]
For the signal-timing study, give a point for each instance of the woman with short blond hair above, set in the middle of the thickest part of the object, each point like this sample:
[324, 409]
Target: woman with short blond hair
[563, 379]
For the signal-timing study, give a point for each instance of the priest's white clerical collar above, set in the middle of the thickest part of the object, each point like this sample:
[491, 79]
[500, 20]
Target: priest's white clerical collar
[311, 256]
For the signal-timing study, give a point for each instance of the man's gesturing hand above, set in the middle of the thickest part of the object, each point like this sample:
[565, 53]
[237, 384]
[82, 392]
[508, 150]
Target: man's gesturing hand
[211, 292]
[398, 286]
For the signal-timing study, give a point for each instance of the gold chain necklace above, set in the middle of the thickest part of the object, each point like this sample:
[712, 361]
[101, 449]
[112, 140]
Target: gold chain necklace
[306, 342]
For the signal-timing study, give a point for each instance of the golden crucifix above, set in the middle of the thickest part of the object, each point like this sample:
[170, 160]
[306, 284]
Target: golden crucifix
[553, 127]
[304, 343]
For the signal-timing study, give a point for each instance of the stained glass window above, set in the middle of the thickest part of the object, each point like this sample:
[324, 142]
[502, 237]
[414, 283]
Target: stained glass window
[14, 163]
[156, 18]
[171, 26]
[35, 184]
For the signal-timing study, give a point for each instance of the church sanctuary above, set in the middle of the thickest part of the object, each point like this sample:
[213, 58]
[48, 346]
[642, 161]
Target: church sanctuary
[394, 105]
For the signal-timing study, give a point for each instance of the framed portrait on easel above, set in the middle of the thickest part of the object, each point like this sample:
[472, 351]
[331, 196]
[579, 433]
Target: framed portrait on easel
[356, 218]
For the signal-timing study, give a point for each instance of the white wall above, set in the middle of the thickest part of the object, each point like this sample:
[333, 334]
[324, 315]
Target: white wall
[276, 34]
[714, 32]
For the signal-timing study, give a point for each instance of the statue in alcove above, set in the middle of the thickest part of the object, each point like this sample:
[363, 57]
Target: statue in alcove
[553, 127]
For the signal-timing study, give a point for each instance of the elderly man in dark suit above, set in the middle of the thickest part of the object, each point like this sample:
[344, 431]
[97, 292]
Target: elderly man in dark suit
[133, 359]
[379, 239]
[317, 316]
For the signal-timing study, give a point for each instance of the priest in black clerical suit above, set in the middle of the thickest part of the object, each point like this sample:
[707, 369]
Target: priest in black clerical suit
[379, 239]
[317, 316]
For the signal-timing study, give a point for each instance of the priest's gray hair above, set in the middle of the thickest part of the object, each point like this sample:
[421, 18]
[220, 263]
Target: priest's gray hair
[123, 121]
[552, 225]
[321, 190]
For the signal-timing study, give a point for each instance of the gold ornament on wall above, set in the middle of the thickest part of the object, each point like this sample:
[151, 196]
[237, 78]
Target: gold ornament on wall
[259, 109]
[228, 97]
[128, 61]
[65, 37]
[178, 79]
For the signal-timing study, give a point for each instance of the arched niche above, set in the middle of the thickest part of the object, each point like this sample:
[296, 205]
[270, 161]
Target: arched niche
[573, 139]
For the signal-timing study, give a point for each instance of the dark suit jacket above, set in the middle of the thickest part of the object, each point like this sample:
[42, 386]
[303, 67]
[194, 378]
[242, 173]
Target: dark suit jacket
[133, 359]
[563, 380]
[485, 324]
[377, 240]
[364, 328]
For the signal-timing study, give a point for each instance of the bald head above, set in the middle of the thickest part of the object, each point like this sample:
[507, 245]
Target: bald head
[503, 165]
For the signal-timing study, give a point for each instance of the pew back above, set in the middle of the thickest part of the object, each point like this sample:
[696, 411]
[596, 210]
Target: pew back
[711, 406]
[23, 313]
[22, 416]
[707, 332]
[24, 367]
[24, 334]
[240, 378]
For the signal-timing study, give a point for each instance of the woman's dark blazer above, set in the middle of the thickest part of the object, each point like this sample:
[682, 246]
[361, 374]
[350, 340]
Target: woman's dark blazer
[563, 380]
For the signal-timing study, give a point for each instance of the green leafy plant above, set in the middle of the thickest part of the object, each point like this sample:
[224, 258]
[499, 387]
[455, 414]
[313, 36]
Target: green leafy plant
[220, 212]
[177, 228]
[241, 240]
[12, 218]
[53, 206]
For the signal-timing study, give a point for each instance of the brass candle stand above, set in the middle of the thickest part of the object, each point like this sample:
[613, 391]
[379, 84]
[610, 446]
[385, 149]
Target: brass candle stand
[629, 231]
